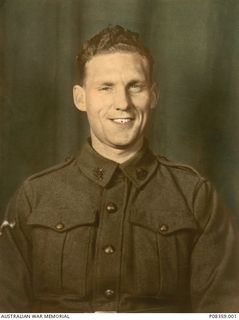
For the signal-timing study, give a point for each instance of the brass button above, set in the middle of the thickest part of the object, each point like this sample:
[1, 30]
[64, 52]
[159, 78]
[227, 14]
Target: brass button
[60, 226]
[109, 250]
[111, 207]
[163, 228]
[109, 293]
[141, 173]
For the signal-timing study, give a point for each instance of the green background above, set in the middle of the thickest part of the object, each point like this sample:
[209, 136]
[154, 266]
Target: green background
[196, 47]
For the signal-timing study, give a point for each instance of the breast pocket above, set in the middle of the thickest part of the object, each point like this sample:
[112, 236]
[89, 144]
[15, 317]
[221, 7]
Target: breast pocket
[60, 248]
[162, 242]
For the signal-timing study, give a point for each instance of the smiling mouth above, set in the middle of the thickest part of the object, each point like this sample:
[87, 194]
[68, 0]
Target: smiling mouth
[122, 120]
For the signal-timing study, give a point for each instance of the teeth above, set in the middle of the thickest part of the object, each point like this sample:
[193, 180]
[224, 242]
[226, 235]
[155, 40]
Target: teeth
[125, 120]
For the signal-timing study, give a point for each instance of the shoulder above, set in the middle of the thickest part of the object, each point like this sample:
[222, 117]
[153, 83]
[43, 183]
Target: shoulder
[43, 186]
[180, 169]
[57, 169]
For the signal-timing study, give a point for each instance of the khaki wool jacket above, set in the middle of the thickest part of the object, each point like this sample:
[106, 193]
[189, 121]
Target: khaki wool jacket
[90, 235]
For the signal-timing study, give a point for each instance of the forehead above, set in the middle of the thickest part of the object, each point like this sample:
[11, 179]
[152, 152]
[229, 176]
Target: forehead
[111, 66]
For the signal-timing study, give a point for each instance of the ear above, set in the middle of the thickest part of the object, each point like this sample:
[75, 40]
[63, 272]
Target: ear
[79, 97]
[154, 95]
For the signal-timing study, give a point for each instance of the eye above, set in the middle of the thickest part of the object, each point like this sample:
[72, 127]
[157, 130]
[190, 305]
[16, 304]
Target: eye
[105, 88]
[136, 87]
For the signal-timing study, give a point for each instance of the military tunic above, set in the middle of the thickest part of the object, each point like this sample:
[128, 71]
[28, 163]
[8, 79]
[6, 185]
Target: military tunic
[91, 235]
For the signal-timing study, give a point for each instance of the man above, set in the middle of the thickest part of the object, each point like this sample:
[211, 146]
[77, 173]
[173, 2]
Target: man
[117, 228]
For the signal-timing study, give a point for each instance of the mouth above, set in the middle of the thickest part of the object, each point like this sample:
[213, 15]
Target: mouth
[122, 120]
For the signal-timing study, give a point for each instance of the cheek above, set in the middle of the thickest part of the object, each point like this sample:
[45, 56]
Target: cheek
[98, 103]
[142, 103]
[142, 99]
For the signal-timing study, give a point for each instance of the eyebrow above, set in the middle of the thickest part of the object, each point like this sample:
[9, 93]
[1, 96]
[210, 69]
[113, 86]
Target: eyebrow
[140, 82]
[136, 81]
[108, 84]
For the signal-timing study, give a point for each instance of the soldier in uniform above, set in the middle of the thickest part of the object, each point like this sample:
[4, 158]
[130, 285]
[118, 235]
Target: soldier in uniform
[117, 228]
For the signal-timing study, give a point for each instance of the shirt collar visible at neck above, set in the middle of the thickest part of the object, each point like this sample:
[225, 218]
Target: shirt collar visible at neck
[100, 170]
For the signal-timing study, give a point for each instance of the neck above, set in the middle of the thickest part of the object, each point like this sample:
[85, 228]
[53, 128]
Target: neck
[117, 154]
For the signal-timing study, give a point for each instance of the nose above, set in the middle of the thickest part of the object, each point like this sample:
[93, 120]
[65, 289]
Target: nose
[122, 101]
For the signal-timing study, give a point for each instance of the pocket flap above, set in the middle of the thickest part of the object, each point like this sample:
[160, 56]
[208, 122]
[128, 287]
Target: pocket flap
[62, 219]
[165, 222]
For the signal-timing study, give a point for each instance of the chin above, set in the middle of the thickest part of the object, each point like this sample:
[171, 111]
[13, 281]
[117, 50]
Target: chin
[123, 145]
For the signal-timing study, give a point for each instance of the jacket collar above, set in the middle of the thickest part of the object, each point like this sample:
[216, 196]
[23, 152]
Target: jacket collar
[100, 170]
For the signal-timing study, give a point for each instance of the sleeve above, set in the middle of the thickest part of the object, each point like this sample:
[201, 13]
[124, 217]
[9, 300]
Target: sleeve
[15, 274]
[215, 255]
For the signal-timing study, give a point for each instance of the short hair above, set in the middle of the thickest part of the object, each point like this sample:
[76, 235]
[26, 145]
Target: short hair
[110, 40]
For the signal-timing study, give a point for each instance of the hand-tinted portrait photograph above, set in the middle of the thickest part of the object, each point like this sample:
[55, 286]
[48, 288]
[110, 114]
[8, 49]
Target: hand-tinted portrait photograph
[119, 156]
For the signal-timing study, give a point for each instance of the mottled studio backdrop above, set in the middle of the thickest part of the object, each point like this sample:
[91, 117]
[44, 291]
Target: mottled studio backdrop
[196, 47]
